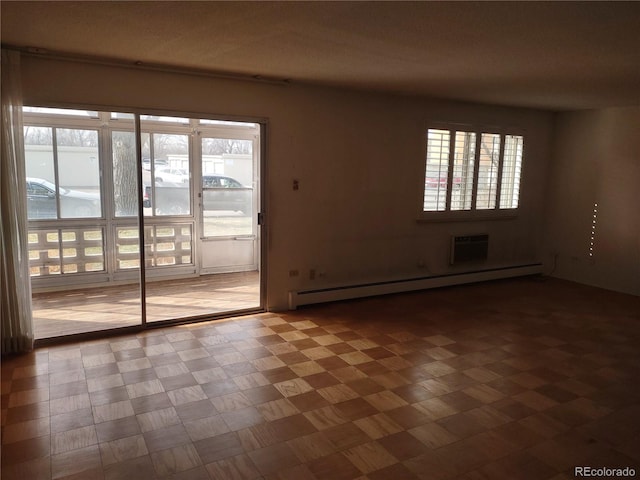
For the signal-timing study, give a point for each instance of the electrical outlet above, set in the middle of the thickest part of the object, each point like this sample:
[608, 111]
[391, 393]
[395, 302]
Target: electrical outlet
[293, 273]
[312, 274]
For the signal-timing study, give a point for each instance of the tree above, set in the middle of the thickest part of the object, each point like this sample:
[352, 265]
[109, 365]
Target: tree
[37, 135]
[75, 137]
[125, 186]
[219, 146]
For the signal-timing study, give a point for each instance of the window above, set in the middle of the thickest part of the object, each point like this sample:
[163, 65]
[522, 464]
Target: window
[125, 186]
[463, 171]
[167, 156]
[470, 171]
[84, 198]
[61, 111]
[511, 169]
[63, 173]
[82, 193]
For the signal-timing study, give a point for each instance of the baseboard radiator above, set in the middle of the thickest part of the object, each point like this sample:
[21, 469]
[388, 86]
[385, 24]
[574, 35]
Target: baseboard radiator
[348, 292]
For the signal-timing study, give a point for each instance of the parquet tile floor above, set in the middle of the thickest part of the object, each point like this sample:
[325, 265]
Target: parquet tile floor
[71, 311]
[519, 379]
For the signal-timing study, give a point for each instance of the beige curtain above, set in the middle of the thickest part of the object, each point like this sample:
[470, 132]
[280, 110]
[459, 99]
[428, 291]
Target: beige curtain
[15, 285]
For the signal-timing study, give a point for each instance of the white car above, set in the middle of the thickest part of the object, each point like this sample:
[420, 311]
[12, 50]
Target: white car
[171, 175]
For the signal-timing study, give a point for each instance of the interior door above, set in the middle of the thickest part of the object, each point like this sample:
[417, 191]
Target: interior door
[229, 200]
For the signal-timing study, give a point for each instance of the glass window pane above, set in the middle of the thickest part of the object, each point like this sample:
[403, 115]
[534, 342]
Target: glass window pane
[511, 171]
[41, 189]
[147, 170]
[160, 118]
[171, 173]
[125, 185]
[78, 173]
[205, 121]
[463, 169]
[121, 116]
[227, 193]
[437, 167]
[488, 171]
[61, 111]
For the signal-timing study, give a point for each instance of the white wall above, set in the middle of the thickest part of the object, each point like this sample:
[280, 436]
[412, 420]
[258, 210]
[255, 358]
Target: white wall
[597, 160]
[358, 157]
[79, 165]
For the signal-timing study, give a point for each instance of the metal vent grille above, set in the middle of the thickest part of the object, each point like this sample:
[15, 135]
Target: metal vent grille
[469, 248]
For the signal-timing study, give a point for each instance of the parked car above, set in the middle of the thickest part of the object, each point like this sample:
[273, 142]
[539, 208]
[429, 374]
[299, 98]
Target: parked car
[171, 175]
[219, 193]
[225, 193]
[213, 181]
[41, 201]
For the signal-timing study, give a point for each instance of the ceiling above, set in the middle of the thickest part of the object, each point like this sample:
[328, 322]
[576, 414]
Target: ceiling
[550, 55]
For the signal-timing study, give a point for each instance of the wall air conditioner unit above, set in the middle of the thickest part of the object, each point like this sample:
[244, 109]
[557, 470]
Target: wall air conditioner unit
[469, 248]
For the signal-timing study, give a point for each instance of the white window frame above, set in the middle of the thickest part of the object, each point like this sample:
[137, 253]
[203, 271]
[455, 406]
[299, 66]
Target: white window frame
[473, 213]
[109, 223]
[191, 125]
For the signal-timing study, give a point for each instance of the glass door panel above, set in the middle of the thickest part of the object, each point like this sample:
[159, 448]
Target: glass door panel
[228, 205]
[169, 221]
[166, 174]
[78, 173]
[81, 196]
[229, 241]
[203, 217]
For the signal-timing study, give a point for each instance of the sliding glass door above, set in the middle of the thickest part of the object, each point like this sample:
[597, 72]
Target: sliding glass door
[228, 202]
[201, 189]
[82, 216]
[173, 205]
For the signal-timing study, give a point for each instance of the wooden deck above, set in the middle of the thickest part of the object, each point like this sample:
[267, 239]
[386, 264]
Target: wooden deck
[88, 310]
